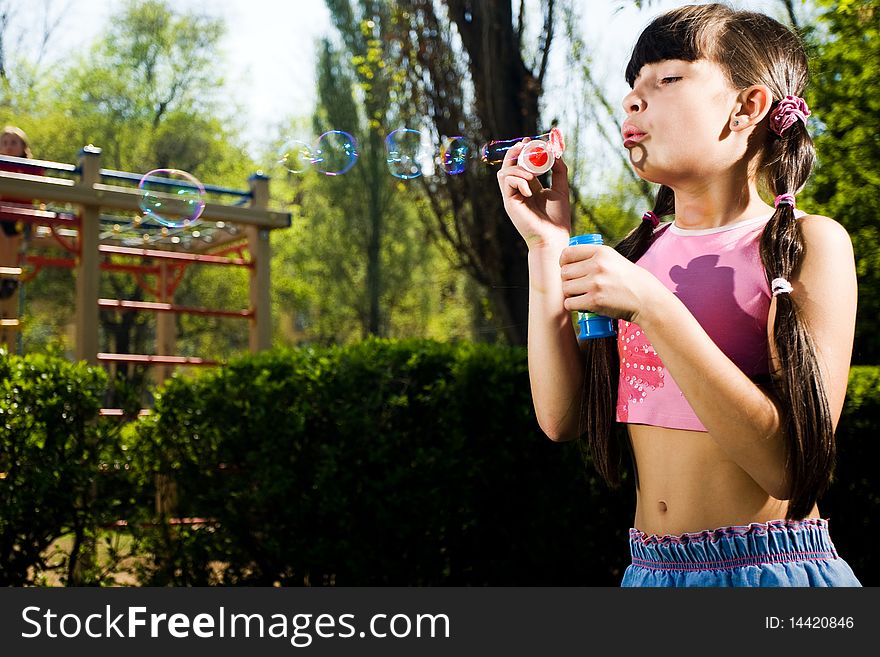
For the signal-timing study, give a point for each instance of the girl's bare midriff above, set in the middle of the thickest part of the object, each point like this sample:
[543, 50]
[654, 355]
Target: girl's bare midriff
[687, 484]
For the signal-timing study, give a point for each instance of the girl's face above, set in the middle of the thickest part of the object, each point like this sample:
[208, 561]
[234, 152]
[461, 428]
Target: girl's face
[11, 144]
[678, 117]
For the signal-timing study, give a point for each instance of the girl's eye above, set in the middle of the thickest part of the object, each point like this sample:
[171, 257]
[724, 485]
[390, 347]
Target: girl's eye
[670, 79]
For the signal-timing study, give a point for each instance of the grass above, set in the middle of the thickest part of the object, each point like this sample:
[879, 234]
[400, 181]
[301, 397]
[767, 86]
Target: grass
[115, 561]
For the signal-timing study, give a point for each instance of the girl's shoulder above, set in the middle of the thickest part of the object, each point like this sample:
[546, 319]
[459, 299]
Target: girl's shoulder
[824, 233]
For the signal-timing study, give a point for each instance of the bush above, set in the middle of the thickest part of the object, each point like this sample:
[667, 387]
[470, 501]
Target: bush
[383, 463]
[380, 463]
[49, 454]
[852, 504]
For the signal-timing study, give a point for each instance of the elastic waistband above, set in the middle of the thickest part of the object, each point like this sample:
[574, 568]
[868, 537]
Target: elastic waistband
[776, 541]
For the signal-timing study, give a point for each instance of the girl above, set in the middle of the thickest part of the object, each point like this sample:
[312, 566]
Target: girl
[735, 319]
[14, 142]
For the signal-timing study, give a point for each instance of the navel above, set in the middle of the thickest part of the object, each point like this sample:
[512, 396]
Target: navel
[662, 506]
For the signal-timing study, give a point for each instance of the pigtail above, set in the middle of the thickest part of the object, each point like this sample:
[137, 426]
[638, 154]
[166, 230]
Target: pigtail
[599, 400]
[810, 445]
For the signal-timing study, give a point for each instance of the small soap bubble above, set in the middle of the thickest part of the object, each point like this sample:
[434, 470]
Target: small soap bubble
[333, 154]
[295, 156]
[454, 154]
[406, 154]
[171, 197]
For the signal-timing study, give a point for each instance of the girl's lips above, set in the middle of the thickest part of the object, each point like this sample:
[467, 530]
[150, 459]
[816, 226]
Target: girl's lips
[631, 133]
[632, 138]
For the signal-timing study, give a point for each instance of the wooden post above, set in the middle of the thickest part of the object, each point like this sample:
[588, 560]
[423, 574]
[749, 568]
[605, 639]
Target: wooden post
[166, 345]
[87, 263]
[9, 320]
[166, 327]
[87, 288]
[261, 255]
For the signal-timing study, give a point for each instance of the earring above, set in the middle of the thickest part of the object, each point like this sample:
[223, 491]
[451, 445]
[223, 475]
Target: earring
[735, 123]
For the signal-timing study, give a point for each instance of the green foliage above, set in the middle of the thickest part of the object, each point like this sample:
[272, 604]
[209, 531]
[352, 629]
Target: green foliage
[853, 501]
[411, 463]
[319, 274]
[359, 258]
[50, 448]
[380, 463]
[379, 235]
[845, 96]
[148, 93]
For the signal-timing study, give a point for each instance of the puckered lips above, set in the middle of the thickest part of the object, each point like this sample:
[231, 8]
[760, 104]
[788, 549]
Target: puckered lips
[632, 134]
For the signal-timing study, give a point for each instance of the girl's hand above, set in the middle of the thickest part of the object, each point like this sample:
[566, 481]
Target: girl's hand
[597, 278]
[542, 215]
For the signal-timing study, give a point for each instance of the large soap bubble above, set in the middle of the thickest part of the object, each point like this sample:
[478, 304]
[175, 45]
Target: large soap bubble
[171, 197]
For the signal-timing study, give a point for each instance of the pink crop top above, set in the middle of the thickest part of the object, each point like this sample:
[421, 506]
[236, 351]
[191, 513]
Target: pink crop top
[718, 275]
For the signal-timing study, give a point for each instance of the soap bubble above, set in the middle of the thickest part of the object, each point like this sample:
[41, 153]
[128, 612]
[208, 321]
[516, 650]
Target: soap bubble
[406, 154]
[171, 197]
[295, 156]
[333, 154]
[454, 154]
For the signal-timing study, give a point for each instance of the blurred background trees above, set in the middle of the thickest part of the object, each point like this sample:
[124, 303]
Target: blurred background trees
[368, 253]
[846, 94]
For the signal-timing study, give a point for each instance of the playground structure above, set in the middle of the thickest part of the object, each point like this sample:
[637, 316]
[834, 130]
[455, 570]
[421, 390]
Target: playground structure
[98, 231]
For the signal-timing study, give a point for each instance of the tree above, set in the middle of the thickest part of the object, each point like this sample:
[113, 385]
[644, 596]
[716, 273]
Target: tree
[845, 97]
[357, 262]
[23, 54]
[360, 66]
[148, 93]
[467, 72]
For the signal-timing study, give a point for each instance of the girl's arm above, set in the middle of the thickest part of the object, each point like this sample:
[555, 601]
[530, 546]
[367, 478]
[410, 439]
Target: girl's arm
[743, 418]
[556, 368]
[542, 216]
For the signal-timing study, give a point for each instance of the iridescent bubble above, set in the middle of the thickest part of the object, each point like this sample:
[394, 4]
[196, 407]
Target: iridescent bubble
[171, 197]
[407, 154]
[295, 156]
[454, 154]
[334, 153]
[494, 151]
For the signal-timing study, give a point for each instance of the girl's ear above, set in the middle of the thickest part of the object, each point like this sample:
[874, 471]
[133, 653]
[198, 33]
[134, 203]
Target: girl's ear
[751, 107]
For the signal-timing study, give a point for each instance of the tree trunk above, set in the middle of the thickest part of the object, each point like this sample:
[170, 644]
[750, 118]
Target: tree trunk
[505, 105]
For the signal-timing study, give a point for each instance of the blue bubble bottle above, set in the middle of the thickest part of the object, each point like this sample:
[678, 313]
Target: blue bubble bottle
[591, 324]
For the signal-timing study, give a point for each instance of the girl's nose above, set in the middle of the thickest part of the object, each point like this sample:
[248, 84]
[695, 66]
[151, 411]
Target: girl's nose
[633, 103]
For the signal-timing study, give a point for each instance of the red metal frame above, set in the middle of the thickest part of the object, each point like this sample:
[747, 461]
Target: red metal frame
[174, 255]
[180, 260]
[122, 304]
[39, 262]
[34, 216]
[150, 359]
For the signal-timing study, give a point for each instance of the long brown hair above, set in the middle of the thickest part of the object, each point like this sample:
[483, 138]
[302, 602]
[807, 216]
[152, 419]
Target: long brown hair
[18, 132]
[752, 49]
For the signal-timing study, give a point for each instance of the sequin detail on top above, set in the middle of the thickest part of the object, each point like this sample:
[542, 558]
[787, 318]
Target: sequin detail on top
[641, 370]
[718, 275]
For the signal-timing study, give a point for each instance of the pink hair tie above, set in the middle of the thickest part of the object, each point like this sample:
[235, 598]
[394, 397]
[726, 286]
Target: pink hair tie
[789, 110]
[653, 218]
[784, 199]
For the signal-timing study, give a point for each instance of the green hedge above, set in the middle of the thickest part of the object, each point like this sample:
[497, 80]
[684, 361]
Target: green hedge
[853, 502]
[49, 455]
[412, 463]
[382, 463]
